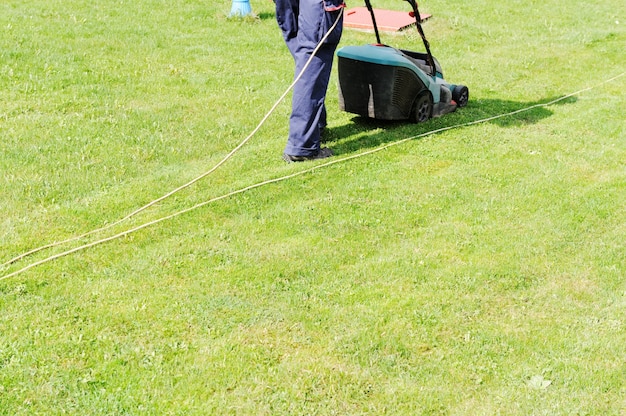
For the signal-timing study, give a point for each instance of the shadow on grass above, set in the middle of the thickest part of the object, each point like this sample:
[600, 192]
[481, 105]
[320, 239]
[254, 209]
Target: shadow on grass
[373, 133]
[252, 17]
[266, 16]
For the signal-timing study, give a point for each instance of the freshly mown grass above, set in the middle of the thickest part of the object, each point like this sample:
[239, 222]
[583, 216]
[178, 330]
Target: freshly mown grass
[476, 271]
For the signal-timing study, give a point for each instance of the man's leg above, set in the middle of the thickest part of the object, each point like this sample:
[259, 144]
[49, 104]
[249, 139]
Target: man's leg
[287, 19]
[309, 93]
[308, 109]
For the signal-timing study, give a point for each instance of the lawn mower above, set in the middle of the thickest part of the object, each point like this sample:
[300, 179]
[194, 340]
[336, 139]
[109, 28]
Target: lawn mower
[385, 83]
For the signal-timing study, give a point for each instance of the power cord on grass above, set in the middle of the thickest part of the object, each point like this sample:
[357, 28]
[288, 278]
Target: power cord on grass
[188, 184]
[305, 171]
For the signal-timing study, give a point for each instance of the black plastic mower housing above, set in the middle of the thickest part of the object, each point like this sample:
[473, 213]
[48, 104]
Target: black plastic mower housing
[377, 91]
[381, 82]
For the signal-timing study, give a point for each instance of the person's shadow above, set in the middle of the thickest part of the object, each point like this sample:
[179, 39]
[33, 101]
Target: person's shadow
[369, 133]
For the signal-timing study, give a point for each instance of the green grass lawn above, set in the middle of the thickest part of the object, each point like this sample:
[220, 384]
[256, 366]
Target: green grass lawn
[475, 271]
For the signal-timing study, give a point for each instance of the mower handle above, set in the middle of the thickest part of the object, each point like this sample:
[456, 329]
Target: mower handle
[418, 23]
[368, 4]
[416, 13]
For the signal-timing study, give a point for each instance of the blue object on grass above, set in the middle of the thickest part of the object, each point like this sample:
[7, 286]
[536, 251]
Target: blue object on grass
[240, 8]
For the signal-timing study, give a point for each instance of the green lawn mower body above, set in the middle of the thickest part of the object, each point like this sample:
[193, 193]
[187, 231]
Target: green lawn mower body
[385, 83]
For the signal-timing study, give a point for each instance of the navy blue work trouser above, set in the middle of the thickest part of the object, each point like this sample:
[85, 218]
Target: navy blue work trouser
[303, 24]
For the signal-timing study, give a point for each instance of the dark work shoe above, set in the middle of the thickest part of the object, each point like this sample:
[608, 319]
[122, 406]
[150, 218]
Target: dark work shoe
[323, 153]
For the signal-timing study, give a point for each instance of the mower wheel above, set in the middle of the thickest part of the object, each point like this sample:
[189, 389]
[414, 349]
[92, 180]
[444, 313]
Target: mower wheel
[423, 108]
[460, 95]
